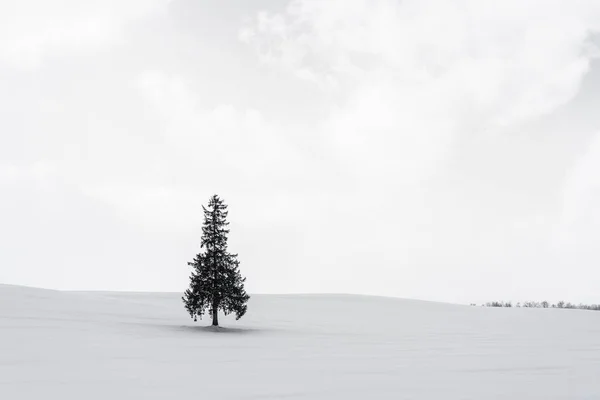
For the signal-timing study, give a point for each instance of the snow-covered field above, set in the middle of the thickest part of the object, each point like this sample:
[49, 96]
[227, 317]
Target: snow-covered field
[65, 345]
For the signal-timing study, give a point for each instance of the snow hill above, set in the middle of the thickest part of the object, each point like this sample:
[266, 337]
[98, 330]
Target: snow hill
[67, 345]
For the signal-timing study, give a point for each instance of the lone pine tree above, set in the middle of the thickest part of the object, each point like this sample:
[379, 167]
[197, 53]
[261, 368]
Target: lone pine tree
[215, 283]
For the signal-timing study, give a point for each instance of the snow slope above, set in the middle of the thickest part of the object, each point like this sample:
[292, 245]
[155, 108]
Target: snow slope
[65, 345]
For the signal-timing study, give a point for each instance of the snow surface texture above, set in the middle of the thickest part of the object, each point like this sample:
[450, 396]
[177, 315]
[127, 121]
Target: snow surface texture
[65, 345]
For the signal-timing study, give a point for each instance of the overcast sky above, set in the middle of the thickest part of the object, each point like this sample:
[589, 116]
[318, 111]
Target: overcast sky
[432, 149]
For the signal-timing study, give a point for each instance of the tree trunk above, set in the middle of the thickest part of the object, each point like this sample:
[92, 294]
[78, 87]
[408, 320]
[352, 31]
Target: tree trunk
[215, 315]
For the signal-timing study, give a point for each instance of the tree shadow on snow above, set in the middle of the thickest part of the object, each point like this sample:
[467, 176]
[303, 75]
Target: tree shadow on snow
[205, 329]
[220, 330]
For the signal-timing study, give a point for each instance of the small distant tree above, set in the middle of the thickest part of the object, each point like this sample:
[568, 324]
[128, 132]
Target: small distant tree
[545, 304]
[215, 283]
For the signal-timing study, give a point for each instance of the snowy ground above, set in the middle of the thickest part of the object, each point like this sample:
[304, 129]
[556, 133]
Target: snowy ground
[58, 345]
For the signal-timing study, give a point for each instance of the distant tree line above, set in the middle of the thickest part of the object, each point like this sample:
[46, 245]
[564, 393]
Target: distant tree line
[542, 304]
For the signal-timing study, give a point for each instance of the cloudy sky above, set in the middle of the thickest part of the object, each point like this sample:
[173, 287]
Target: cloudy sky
[432, 149]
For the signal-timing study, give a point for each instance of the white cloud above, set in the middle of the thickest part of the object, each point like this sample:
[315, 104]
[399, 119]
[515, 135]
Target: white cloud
[200, 151]
[241, 142]
[32, 29]
[381, 132]
[40, 172]
[580, 224]
[410, 75]
[416, 84]
[155, 208]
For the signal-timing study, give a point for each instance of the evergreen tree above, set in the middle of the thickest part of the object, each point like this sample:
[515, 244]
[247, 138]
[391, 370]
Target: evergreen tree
[215, 283]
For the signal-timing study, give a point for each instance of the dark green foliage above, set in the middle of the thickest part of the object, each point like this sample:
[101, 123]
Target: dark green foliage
[215, 283]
